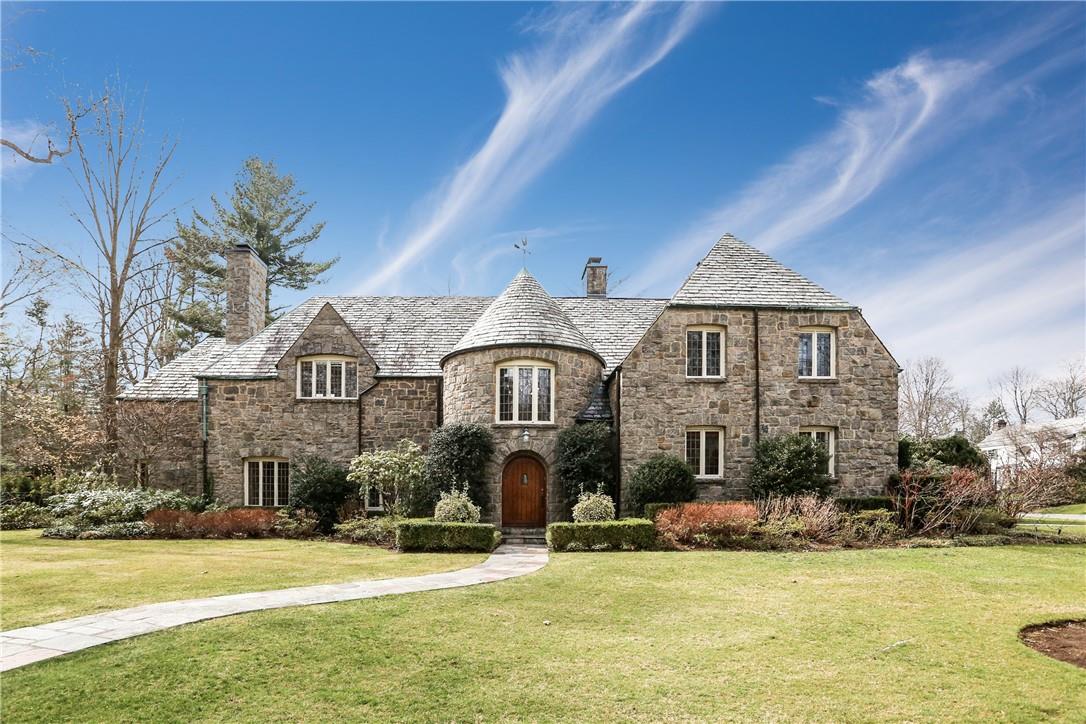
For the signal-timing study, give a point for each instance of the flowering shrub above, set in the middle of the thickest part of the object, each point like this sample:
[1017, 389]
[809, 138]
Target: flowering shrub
[455, 506]
[233, 523]
[396, 474]
[592, 507]
[379, 531]
[692, 524]
[106, 530]
[24, 515]
[88, 507]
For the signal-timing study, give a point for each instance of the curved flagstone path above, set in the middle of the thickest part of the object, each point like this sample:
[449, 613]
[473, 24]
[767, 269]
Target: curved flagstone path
[22, 646]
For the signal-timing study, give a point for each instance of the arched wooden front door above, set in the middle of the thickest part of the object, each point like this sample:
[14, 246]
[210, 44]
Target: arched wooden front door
[524, 493]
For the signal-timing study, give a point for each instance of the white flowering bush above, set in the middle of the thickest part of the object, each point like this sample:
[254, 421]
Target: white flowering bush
[455, 506]
[90, 507]
[395, 473]
[593, 507]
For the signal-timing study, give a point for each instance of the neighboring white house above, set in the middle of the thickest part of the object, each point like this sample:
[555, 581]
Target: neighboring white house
[1011, 445]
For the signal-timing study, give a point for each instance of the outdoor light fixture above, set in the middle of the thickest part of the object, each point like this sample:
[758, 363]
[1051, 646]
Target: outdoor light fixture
[524, 435]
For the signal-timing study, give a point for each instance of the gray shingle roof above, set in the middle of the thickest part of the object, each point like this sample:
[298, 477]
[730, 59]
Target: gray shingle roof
[735, 274]
[524, 314]
[598, 408]
[177, 380]
[1016, 435]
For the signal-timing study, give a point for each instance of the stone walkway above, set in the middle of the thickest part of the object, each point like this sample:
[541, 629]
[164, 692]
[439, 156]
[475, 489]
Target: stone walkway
[23, 646]
[1061, 517]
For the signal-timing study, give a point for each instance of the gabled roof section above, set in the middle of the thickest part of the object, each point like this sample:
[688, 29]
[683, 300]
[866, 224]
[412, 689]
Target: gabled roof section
[524, 314]
[735, 274]
[177, 380]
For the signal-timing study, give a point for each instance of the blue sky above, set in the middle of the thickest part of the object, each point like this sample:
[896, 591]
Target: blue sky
[925, 161]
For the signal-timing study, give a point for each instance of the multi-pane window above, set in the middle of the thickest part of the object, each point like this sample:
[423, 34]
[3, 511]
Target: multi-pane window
[825, 437]
[327, 378]
[705, 451]
[704, 352]
[525, 392]
[817, 353]
[267, 481]
[374, 499]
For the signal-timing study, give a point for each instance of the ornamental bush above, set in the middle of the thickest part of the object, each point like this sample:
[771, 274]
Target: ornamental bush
[953, 450]
[789, 465]
[458, 455]
[378, 531]
[88, 507]
[232, 523]
[322, 488]
[662, 479]
[435, 536]
[592, 507]
[584, 459]
[700, 524]
[137, 529]
[456, 507]
[397, 474]
[628, 534]
[21, 516]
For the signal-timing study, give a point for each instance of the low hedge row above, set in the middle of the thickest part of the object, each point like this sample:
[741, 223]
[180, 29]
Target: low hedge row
[429, 535]
[628, 534]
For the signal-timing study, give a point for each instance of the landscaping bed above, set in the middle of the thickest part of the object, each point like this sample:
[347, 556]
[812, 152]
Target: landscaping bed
[1062, 640]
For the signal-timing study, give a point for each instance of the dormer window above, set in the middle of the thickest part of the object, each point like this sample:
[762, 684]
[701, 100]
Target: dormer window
[330, 377]
[817, 353]
[525, 392]
[705, 352]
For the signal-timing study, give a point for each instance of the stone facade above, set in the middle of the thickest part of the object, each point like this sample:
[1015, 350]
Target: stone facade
[470, 395]
[163, 435]
[401, 408]
[658, 401]
[246, 294]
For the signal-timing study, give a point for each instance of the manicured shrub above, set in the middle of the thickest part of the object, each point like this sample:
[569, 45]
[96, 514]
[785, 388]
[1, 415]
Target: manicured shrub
[584, 459]
[395, 473]
[789, 465]
[652, 510]
[434, 536]
[662, 479]
[322, 488]
[232, 523]
[455, 506]
[819, 518]
[628, 534]
[21, 516]
[105, 530]
[871, 502]
[90, 507]
[296, 523]
[375, 531]
[592, 507]
[458, 455]
[705, 524]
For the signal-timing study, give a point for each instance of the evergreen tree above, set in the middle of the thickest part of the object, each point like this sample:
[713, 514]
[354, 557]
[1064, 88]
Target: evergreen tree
[265, 211]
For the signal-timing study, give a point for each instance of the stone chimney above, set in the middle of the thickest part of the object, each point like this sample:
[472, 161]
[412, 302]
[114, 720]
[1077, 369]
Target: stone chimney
[998, 425]
[595, 277]
[246, 293]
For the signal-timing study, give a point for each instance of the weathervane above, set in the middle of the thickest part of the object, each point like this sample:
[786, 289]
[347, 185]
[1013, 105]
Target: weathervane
[523, 246]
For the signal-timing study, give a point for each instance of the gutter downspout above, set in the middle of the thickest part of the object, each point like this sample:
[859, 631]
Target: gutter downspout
[360, 394]
[757, 383]
[617, 415]
[206, 481]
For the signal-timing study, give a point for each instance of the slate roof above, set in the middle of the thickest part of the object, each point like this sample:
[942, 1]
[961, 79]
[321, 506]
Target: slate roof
[524, 314]
[1014, 435]
[598, 408]
[177, 380]
[735, 274]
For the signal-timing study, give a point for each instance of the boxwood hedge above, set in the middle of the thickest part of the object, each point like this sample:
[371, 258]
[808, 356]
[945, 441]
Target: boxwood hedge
[429, 535]
[628, 534]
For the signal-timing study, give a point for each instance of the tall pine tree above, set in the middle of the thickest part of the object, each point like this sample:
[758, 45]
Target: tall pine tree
[265, 211]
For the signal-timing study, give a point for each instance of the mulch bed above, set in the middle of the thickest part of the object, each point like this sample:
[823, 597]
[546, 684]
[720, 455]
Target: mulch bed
[1063, 640]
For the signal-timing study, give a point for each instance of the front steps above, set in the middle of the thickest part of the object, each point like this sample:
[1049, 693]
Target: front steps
[524, 536]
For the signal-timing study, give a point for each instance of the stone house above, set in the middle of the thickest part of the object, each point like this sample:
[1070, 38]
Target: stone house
[745, 348]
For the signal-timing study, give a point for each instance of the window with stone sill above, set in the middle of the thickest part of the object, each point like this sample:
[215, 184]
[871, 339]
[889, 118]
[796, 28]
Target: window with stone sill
[330, 377]
[267, 482]
[705, 351]
[705, 451]
[827, 438]
[525, 392]
[817, 353]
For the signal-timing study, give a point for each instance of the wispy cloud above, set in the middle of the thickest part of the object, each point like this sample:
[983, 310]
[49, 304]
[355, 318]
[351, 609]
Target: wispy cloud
[903, 115]
[31, 136]
[587, 55]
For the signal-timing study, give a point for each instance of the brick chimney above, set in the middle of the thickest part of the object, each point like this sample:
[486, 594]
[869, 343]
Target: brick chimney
[246, 293]
[595, 277]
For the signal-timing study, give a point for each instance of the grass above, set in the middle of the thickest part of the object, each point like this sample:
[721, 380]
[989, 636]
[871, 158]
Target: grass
[44, 580]
[1073, 508]
[1051, 525]
[892, 634]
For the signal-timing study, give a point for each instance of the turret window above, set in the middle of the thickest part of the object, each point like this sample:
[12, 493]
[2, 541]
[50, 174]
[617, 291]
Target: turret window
[525, 392]
[327, 378]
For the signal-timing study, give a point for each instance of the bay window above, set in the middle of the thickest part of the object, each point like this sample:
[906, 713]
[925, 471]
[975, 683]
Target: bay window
[824, 436]
[705, 451]
[327, 378]
[705, 352]
[267, 481]
[817, 353]
[525, 392]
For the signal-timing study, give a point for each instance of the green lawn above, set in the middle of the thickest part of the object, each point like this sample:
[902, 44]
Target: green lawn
[43, 580]
[1051, 525]
[1074, 508]
[893, 634]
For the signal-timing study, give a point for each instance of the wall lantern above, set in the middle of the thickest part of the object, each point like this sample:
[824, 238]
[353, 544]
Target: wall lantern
[525, 435]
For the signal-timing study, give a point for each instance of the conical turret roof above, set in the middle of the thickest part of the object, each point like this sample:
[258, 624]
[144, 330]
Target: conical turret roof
[524, 314]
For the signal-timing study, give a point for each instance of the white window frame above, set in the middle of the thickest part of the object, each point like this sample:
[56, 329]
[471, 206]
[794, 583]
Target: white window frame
[702, 329]
[380, 501]
[814, 332]
[831, 441]
[260, 498]
[699, 471]
[516, 366]
[326, 360]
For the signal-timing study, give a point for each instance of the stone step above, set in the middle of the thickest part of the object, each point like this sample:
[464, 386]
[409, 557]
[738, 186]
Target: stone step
[535, 536]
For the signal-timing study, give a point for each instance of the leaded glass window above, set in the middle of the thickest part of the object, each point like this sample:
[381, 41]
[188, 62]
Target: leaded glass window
[705, 352]
[525, 392]
[267, 482]
[327, 378]
[816, 353]
[705, 451]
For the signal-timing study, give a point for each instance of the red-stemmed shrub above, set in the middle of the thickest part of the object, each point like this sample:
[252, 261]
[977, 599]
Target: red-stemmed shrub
[233, 523]
[712, 524]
